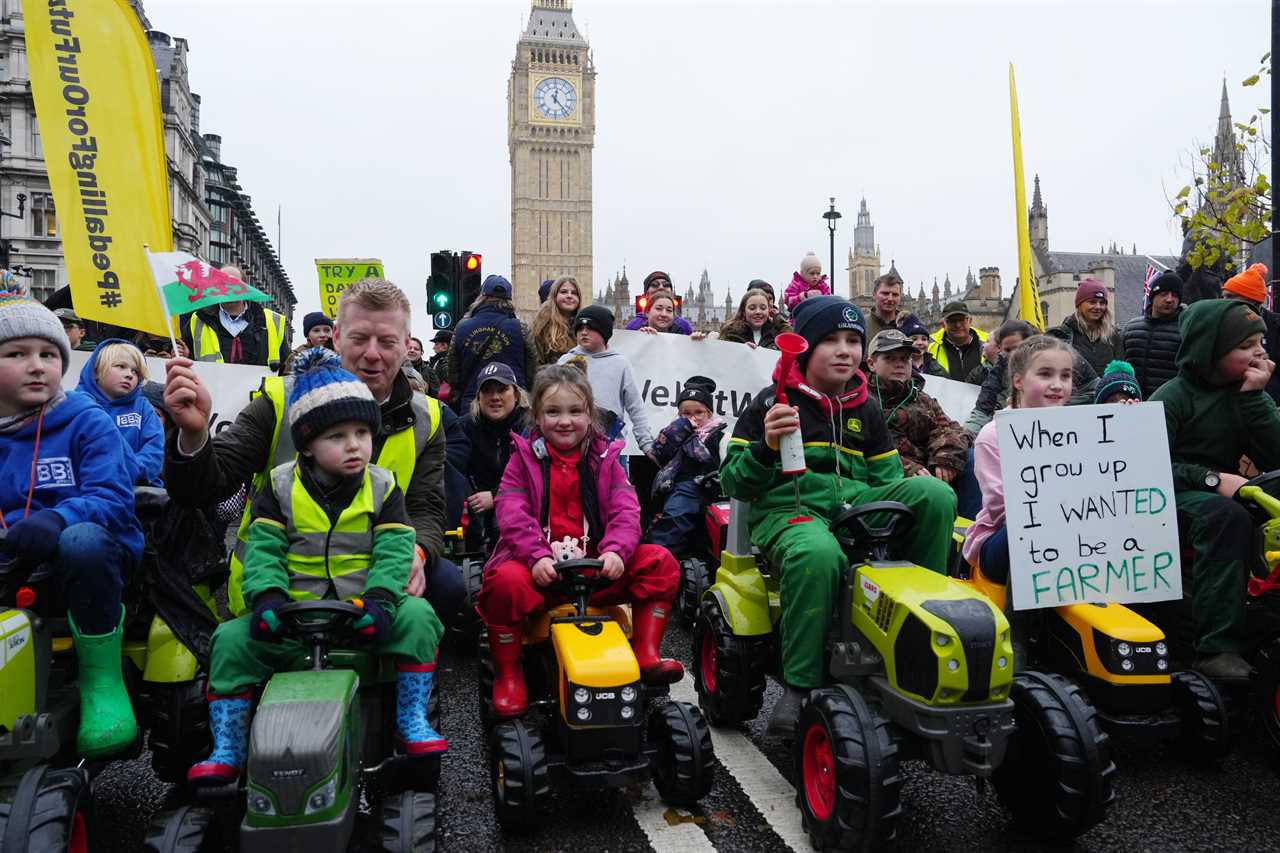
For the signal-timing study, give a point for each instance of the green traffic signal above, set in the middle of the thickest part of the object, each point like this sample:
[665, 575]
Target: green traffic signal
[441, 299]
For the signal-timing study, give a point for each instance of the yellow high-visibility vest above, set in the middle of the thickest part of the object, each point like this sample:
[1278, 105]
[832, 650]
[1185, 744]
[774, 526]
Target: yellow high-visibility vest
[207, 347]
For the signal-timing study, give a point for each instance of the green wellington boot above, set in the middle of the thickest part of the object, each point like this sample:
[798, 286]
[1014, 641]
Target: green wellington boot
[107, 725]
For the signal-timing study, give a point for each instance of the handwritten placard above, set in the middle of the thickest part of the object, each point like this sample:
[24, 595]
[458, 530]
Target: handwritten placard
[1089, 505]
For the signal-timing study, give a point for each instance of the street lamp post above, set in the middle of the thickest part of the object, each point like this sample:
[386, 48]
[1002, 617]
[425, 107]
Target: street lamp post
[22, 204]
[831, 216]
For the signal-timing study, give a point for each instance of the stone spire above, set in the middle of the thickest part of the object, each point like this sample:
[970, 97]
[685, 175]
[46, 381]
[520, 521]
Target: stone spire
[864, 233]
[1224, 142]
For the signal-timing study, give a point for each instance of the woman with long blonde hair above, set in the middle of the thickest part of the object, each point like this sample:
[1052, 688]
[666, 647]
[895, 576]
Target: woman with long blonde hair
[551, 333]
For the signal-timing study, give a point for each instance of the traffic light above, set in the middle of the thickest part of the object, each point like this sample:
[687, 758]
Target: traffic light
[442, 290]
[469, 278]
[642, 303]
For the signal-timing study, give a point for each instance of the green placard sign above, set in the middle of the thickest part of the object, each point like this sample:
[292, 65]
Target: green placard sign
[336, 273]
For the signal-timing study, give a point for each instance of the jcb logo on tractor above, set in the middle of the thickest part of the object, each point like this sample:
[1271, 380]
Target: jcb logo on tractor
[604, 696]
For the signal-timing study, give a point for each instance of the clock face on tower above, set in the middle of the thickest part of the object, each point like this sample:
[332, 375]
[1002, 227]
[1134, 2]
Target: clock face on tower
[555, 98]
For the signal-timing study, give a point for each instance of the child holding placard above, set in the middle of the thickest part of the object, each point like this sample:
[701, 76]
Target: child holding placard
[1216, 410]
[1039, 375]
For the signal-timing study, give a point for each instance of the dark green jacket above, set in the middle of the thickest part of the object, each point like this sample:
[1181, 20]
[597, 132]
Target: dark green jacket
[1211, 426]
[847, 449]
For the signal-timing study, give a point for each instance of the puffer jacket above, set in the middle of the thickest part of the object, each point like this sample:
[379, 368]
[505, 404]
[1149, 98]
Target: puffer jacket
[1151, 346]
[612, 501]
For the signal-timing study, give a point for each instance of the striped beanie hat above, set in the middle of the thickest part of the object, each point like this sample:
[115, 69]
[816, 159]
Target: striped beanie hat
[324, 395]
[22, 317]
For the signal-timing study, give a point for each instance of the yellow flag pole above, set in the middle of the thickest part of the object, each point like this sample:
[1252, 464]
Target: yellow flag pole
[1028, 292]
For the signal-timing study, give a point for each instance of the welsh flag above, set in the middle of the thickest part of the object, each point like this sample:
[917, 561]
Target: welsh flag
[187, 283]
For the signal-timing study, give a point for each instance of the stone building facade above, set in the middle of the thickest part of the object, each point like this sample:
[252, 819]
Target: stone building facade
[864, 259]
[35, 239]
[551, 128]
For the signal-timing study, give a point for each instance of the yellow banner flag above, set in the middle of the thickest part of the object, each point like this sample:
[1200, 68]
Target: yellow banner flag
[98, 104]
[1028, 293]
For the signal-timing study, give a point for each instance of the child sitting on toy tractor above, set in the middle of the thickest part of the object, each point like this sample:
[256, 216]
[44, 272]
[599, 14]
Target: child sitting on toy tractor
[688, 449]
[564, 496]
[850, 459]
[66, 500]
[330, 526]
[1216, 411]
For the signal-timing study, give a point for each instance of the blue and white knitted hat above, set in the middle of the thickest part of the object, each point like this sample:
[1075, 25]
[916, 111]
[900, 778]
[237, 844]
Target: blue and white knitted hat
[324, 395]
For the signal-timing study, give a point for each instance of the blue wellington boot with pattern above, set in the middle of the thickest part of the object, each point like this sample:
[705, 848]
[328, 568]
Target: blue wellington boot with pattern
[229, 724]
[413, 690]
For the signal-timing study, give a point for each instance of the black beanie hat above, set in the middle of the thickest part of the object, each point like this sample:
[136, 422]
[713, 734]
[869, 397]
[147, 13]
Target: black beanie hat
[595, 317]
[1167, 282]
[818, 316]
[698, 389]
[315, 318]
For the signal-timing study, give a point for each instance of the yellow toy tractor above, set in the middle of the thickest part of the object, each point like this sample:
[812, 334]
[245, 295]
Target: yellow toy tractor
[591, 722]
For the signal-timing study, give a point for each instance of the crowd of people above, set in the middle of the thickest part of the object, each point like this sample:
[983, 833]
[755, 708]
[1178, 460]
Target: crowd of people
[518, 427]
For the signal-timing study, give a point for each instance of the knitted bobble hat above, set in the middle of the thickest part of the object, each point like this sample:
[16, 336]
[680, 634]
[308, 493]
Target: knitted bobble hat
[22, 317]
[324, 395]
[1118, 377]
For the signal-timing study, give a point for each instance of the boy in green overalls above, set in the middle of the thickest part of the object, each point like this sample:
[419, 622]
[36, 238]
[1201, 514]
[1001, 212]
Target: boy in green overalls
[850, 459]
[329, 494]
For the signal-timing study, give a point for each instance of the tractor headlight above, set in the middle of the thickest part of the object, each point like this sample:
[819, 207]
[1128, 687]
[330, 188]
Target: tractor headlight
[1162, 665]
[1123, 649]
[628, 694]
[261, 804]
[1126, 665]
[627, 712]
[1002, 662]
[582, 696]
[584, 714]
[1161, 649]
[323, 797]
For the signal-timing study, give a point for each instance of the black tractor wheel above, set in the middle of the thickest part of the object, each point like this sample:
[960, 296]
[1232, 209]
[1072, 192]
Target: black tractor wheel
[179, 728]
[409, 823]
[728, 670]
[46, 811]
[845, 762]
[1266, 690]
[1057, 776]
[485, 682]
[188, 829]
[1205, 732]
[695, 577]
[684, 766]
[468, 621]
[518, 769]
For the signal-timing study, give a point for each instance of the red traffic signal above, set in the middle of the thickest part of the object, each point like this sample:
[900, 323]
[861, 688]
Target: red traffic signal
[472, 263]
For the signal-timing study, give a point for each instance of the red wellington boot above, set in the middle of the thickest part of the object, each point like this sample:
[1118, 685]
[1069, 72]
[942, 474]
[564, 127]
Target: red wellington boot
[510, 697]
[648, 621]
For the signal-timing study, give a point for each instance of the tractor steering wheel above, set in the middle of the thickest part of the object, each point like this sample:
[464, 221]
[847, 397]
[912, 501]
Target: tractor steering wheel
[572, 582]
[1262, 481]
[854, 533]
[324, 622]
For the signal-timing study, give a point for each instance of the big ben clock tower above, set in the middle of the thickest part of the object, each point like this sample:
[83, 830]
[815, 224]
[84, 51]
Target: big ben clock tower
[551, 129]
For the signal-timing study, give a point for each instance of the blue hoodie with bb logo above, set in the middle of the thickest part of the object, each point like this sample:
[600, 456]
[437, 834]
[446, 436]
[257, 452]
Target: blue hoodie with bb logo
[133, 416]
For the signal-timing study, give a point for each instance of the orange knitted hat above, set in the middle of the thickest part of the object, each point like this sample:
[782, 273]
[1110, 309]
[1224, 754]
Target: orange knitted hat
[1251, 284]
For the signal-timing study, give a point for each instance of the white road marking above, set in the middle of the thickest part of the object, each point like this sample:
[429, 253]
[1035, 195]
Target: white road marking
[768, 790]
[682, 837]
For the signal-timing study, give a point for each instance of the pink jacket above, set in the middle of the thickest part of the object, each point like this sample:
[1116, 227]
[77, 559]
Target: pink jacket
[519, 504]
[986, 468]
[798, 287]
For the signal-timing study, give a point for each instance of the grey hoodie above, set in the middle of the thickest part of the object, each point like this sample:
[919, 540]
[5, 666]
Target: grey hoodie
[614, 387]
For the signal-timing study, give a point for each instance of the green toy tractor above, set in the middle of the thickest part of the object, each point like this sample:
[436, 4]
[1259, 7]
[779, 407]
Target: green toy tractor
[919, 666]
[320, 732]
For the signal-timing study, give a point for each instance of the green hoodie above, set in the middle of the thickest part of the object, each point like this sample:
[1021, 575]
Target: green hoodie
[1212, 425]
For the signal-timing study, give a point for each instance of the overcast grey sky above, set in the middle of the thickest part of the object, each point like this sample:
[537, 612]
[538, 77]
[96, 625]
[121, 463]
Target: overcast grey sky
[722, 128]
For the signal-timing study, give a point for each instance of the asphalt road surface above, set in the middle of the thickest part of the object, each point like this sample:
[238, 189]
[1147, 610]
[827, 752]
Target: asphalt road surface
[1163, 802]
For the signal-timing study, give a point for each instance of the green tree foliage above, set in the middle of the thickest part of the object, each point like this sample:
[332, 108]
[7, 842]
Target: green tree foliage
[1226, 209]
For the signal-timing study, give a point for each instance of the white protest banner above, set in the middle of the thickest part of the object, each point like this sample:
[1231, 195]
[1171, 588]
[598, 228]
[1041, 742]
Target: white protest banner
[661, 364]
[229, 384]
[1089, 505]
[957, 399]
